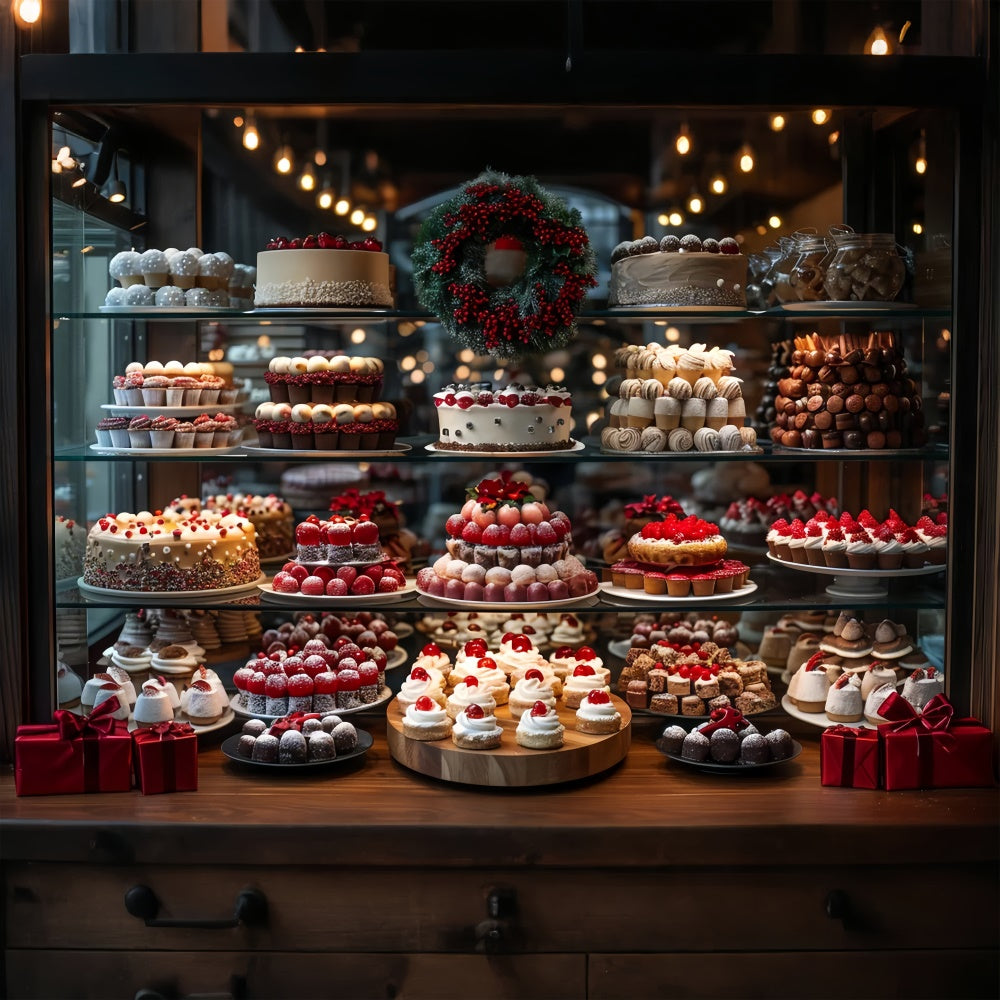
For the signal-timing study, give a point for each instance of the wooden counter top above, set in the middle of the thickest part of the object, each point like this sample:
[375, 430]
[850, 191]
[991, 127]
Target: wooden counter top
[646, 811]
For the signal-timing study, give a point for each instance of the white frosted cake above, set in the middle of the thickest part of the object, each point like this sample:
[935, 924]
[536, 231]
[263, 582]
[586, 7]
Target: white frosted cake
[515, 418]
[340, 274]
[678, 272]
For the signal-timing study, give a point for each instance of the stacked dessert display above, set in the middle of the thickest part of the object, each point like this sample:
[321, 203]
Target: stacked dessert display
[322, 271]
[685, 272]
[546, 629]
[506, 547]
[511, 420]
[337, 558]
[170, 406]
[678, 400]
[326, 402]
[850, 392]
[505, 714]
[178, 279]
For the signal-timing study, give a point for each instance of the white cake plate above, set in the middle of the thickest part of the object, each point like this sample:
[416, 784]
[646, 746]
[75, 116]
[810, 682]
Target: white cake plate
[625, 594]
[857, 584]
[110, 449]
[171, 597]
[471, 456]
[271, 596]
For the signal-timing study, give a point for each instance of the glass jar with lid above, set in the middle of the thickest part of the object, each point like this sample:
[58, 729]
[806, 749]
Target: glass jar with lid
[782, 267]
[864, 267]
[809, 270]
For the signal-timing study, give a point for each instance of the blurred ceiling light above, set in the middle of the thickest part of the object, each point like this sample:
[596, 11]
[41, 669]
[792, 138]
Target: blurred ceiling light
[777, 123]
[878, 43]
[774, 221]
[251, 137]
[718, 184]
[695, 203]
[27, 12]
[319, 158]
[342, 207]
[761, 229]
[357, 336]
[284, 160]
[369, 223]
[834, 137]
[682, 141]
[746, 158]
[357, 217]
[675, 218]
[238, 121]
[920, 163]
[918, 228]
[557, 375]
[325, 198]
[663, 219]
[820, 116]
[307, 179]
[672, 334]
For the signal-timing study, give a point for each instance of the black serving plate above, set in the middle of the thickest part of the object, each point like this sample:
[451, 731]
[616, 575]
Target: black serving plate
[364, 745]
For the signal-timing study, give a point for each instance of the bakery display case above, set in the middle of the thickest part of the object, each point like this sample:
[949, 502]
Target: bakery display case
[849, 390]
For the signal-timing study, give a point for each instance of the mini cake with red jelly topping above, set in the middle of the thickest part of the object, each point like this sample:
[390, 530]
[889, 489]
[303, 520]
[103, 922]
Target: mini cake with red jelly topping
[688, 541]
[539, 728]
[163, 551]
[480, 417]
[597, 714]
[426, 720]
[322, 271]
[475, 729]
[506, 546]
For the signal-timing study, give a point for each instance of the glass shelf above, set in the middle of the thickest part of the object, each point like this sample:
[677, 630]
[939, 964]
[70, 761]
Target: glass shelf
[591, 453]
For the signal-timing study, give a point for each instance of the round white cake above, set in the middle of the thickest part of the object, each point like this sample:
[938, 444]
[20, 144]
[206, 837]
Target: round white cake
[296, 277]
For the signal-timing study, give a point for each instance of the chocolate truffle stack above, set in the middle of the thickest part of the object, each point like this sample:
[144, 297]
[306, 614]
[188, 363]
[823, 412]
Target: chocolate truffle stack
[848, 391]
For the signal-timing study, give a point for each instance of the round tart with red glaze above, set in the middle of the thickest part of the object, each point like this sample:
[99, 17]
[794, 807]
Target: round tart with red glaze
[674, 541]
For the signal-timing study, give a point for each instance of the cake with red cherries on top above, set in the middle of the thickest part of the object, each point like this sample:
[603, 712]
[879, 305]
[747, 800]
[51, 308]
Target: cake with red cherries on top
[166, 551]
[515, 418]
[272, 517]
[506, 546]
[322, 271]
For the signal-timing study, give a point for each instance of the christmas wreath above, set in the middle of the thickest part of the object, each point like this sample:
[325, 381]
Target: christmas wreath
[505, 266]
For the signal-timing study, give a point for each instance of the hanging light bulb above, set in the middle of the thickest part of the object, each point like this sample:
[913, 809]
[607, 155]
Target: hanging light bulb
[820, 116]
[325, 197]
[918, 228]
[307, 179]
[682, 142]
[357, 217]
[774, 221]
[777, 123]
[238, 121]
[251, 137]
[675, 218]
[369, 223]
[116, 187]
[319, 158]
[663, 219]
[695, 204]
[878, 42]
[746, 158]
[284, 159]
[718, 184]
[27, 12]
[920, 163]
[342, 207]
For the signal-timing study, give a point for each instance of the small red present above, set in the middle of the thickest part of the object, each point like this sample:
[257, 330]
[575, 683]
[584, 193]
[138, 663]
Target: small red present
[91, 753]
[933, 749]
[166, 758]
[849, 757]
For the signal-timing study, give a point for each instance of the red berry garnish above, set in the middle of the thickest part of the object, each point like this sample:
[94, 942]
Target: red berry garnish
[419, 674]
[521, 644]
[310, 243]
[586, 653]
[583, 670]
[475, 712]
[476, 647]
[431, 649]
[539, 708]
[471, 681]
[487, 663]
[564, 652]
[534, 674]
[424, 704]
[598, 696]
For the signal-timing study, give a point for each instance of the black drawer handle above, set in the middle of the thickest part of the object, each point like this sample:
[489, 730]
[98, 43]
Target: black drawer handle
[250, 909]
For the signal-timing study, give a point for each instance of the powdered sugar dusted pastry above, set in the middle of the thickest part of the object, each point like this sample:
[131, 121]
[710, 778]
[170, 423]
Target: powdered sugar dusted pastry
[162, 684]
[874, 702]
[108, 690]
[539, 728]
[921, 686]
[426, 720]
[152, 706]
[843, 701]
[201, 704]
[597, 714]
[474, 729]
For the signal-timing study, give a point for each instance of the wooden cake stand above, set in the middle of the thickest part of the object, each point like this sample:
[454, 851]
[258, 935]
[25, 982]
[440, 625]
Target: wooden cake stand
[511, 765]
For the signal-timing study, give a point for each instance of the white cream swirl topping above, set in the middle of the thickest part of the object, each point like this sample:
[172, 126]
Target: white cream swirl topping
[426, 718]
[540, 725]
[603, 711]
[486, 726]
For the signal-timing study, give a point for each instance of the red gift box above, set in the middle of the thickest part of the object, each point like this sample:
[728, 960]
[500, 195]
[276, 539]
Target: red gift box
[166, 758]
[91, 753]
[849, 757]
[933, 749]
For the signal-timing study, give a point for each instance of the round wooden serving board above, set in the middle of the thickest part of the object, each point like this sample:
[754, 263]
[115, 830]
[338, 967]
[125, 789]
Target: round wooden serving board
[511, 765]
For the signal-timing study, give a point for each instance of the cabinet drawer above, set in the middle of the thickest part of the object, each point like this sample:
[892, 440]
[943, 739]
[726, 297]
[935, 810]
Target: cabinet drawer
[110, 975]
[570, 910]
[802, 975]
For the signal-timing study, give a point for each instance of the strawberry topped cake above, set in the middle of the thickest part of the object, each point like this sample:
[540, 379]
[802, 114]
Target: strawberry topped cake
[506, 546]
[321, 271]
[515, 418]
[863, 542]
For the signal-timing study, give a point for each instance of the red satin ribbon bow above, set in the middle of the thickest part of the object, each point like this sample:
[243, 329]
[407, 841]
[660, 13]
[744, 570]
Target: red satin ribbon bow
[99, 722]
[935, 718]
[725, 718]
[163, 731]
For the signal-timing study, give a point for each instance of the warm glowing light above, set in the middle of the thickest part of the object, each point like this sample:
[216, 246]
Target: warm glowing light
[820, 116]
[416, 377]
[406, 328]
[920, 165]
[467, 355]
[117, 195]
[718, 184]
[599, 378]
[918, 228]
[357, 217]
[428, 366]
[592, 417]
[761, 229]
[946, 335]
[238, 121]
[216, 354]
[599, 361]
[557, 375]
[408, 363]
[462, 372]
[746, 160]
[676, 219]
[672, 334]
[319, 158]
[682, 143]
[659, 322]
[695, 204]
[325, 199]
[27, 11]
[369, 223]
[87, 248]
[284, 160]
[834, 137]
[307, 179]
[263, 340]
[80, 181]
[777, 123]
[663, 219]
[342, 207]
[878, 43]
[774, 221]
[357, 336]
[498, 374]
[251, 137]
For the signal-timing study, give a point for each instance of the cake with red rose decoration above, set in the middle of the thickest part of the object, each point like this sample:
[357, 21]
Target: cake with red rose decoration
[322, 271]
[166, 551]
[480, 417]
[639, 513]
[506, 546]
